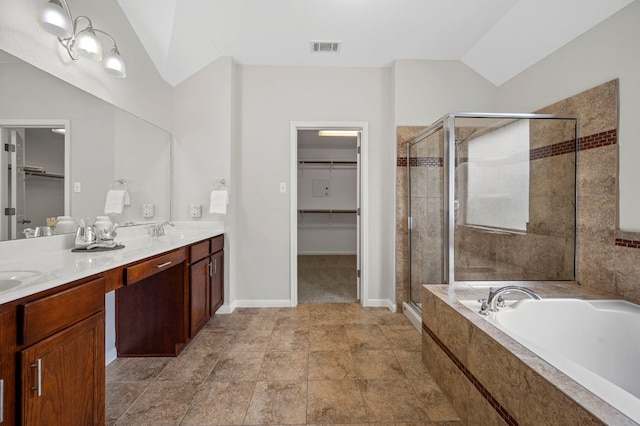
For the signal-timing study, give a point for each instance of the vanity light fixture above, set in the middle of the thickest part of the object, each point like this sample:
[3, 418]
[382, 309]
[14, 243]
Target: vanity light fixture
[80, 41]
[347, 133]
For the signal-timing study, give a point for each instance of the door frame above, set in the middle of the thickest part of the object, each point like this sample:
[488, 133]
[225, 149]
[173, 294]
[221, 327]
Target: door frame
[363, 127]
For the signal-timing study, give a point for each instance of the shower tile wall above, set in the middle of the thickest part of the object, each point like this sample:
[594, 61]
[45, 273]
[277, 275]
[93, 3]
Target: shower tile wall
[546, 250]
[404, 135]
[608, 258]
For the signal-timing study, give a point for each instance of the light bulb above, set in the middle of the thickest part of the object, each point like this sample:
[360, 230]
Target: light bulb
[55, 20]
[88, 45]
[113, 64]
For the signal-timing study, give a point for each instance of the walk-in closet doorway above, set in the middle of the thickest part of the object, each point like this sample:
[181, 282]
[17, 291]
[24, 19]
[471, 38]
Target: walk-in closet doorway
[327, 212]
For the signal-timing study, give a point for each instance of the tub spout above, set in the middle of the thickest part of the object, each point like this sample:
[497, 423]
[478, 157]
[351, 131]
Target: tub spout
[495, 297]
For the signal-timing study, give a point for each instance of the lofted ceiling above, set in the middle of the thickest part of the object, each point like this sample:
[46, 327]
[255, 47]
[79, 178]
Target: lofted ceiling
[496, 38]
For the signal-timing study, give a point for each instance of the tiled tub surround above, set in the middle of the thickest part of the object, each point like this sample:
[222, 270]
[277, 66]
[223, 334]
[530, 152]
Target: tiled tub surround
[605, 262]
[493, 380]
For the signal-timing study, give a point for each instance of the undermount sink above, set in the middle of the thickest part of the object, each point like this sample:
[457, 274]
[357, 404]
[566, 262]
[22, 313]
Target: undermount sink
[12, 279]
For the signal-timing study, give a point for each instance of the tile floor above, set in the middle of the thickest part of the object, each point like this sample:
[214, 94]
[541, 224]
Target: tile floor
[314, 364]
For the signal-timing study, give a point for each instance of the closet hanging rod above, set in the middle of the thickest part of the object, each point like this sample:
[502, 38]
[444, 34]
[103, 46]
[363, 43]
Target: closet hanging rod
[327, 162]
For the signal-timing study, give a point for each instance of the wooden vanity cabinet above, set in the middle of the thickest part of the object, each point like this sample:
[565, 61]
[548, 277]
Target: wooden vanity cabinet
[52, 358]
[206, 281]
[152, 307]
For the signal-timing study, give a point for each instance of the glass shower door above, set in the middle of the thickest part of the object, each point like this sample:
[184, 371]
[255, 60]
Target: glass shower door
[426, 170]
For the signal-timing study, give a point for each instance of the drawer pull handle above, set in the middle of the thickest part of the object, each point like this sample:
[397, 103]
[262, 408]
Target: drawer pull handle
[38, 367]
[162, 265]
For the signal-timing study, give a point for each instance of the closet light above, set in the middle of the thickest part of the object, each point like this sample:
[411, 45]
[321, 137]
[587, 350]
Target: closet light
[347, 133]
[61, 131]
[80, 40]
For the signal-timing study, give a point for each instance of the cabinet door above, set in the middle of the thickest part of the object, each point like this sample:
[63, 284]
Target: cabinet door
[63, 377]
[217, 281]
[199, 295]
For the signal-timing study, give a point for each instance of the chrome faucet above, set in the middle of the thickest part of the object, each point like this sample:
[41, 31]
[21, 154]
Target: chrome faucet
[157, 230]
[496, 300]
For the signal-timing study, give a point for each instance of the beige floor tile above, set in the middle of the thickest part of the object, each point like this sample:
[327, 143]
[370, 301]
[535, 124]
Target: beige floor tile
[162, 403]
[292, 322]
[220, 403]
[289, 340]
[368, 337]
[391, 401]
[435, 403]
[284, 366]
[237, 367]
[403, 337]
[227, 322]
[192, 366]
[335, 401]
[412, 365]
[331, 365]
[249, 341]
[211, 340]
[119, 397]
[377, 365]
[136, 369]
[328, 339]
[278, 402]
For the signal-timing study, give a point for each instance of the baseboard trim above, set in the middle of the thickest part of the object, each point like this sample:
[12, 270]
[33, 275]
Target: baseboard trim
[327, 253]
[380, 303]
[111, 356]
[275, 303]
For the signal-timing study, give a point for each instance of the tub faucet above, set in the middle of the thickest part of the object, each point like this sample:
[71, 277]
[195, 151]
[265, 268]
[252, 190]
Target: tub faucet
[158, 230]
[496, 300]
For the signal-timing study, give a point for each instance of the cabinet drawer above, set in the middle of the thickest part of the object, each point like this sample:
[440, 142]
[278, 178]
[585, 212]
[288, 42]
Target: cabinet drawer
[217, 243]
[142, 270]
[198, 251]
[43, 317]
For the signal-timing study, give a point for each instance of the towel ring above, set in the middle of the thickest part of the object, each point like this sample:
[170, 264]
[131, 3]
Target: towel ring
[220, 185]
[119, 184]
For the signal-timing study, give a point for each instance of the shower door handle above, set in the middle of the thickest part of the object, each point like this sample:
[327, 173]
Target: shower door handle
[409, 222]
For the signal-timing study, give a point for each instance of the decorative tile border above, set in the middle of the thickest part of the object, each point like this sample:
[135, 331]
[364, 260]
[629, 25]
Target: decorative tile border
[609, 137]
[420, 162]
[628, 243]
[502, 412]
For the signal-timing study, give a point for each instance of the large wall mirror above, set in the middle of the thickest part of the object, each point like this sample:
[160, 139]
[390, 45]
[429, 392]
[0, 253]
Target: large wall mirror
[63, 149]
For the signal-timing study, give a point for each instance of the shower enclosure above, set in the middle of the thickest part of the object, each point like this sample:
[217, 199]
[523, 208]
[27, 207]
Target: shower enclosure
[492, 197]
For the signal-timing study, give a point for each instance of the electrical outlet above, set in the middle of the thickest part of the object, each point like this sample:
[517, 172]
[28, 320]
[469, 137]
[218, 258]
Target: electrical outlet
[148, 210]
[77, 187]
[195, 210]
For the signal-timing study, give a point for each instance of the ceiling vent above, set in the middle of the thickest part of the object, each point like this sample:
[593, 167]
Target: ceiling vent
[326, 46]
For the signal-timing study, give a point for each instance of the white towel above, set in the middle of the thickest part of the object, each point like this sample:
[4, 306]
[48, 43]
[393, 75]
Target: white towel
[219, 201]
[116, 200]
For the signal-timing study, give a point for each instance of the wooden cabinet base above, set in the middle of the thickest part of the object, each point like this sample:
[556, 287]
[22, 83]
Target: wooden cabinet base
[151, 315]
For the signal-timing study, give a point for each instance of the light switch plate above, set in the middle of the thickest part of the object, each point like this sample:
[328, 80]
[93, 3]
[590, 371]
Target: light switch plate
[77, 187]
[283, 186]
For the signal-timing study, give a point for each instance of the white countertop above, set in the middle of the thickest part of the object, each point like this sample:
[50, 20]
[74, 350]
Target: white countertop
[44, 263]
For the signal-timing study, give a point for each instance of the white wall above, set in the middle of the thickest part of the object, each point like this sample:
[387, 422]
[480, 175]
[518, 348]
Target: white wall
[269, 99]
[204, 131]
[143, 92]
[427, 90]
[609, 50]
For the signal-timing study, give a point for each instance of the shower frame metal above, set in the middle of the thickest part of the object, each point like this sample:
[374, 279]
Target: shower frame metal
[448, 125]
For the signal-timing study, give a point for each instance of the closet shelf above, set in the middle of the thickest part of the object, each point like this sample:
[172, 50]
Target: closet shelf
[327, 162]
[326, 211]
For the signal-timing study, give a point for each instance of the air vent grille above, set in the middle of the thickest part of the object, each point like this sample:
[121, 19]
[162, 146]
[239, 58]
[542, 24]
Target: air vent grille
[326, 46]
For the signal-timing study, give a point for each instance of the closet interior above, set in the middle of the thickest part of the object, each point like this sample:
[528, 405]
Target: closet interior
[327, 218]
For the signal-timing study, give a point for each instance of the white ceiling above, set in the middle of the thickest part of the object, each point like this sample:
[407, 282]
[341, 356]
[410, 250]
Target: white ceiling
[497, 38]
